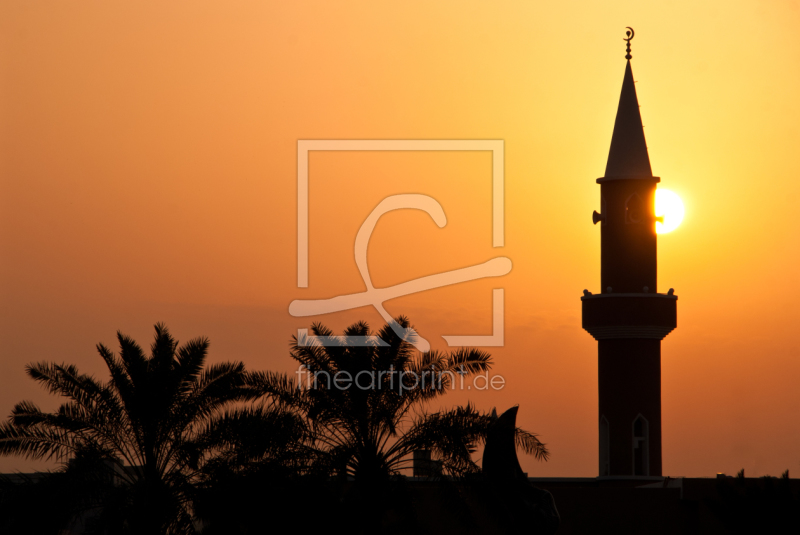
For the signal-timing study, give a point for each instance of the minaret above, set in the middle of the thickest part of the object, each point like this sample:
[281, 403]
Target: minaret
[628, 318]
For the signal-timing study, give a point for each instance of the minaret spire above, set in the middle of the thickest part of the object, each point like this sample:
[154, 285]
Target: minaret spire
[628, 156]
[628, 318]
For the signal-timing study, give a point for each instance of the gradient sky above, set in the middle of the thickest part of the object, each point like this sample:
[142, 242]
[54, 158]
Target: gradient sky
[148, 173]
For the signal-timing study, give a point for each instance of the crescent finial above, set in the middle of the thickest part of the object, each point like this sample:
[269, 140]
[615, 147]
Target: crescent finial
[630, 33]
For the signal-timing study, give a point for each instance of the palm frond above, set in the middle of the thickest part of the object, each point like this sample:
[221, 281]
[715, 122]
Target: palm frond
[530, 444]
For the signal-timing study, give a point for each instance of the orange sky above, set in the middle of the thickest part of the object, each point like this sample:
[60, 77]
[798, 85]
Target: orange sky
[148, 173]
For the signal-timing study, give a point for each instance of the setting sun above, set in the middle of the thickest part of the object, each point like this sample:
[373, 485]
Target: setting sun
[670, 207]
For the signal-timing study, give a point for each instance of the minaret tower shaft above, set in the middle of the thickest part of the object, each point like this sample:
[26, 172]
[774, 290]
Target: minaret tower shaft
[629, 318]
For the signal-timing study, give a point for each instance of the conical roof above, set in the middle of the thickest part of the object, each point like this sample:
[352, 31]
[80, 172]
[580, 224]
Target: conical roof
[628, 156]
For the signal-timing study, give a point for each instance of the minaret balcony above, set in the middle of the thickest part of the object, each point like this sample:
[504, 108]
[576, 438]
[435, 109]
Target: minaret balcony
[629, 315]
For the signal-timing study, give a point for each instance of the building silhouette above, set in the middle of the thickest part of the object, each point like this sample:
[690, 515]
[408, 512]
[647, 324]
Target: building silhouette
[628, 318]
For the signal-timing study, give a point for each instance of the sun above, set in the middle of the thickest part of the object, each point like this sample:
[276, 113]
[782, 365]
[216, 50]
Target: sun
[670, 207]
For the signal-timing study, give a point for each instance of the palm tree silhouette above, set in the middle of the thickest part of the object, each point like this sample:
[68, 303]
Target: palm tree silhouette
[149, 425]
[370, 429]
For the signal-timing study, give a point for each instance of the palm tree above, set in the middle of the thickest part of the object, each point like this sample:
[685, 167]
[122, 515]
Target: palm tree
[255, 455]
[367, 402]
[149, 424]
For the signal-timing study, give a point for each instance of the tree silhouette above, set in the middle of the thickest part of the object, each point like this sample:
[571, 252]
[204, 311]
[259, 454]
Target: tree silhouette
[149, 428]
[159, 446]
[369, 426]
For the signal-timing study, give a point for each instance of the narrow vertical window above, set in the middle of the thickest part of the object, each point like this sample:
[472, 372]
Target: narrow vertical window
[641, 447]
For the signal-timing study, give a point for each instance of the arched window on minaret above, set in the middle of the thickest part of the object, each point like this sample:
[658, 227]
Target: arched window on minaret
[634, 209]
[641, 447]
[605, 447]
